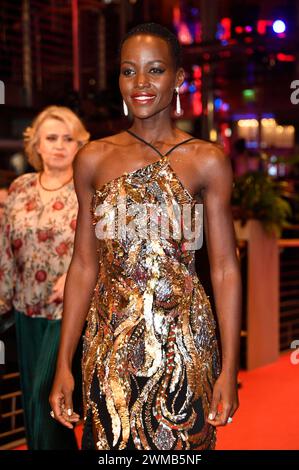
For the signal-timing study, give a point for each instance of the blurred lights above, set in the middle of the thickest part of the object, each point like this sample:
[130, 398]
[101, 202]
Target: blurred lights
[184, 34]
[279, 26]
[194, 11]
[274, 135]
[285, 57]
[184, 87]
[196, 97]
[228, 132]
[210, 106]
[268, 129]
[248, 94]
[213, 135]
[197, 103]
[196, 71]
[225, 107]
[218, 103]
[272, 170]
[225, 29]
[176, 16]
[243, 123]
[192, 88]
[248, 130]
[239, 29]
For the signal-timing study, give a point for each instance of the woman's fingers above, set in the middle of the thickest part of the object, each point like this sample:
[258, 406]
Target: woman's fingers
[58, 290]
[222, 417]
[214, 407]
[68, 406]
[56, 296]
[57, 405]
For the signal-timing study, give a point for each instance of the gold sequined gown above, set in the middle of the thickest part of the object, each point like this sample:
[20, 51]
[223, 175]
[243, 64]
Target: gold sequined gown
[150, 355]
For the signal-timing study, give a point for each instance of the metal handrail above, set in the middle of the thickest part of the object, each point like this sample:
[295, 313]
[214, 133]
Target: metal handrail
[288, 242]
[14, 412]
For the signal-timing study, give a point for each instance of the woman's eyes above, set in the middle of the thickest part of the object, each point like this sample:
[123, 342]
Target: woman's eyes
[52, 138]
[156, 70]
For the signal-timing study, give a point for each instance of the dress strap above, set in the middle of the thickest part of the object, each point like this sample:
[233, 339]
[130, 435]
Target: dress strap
[154, 148]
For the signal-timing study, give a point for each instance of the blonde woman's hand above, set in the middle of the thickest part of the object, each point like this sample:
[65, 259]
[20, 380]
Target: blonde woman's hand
[58, 290]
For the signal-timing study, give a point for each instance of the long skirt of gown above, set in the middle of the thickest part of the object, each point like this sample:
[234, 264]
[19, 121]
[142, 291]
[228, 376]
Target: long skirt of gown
[150, 355]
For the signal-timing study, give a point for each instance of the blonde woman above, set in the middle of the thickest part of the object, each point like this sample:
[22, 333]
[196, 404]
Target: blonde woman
[37, 234]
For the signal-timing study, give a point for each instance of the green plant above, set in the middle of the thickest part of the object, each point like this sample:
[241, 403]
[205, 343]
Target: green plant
[256, 195]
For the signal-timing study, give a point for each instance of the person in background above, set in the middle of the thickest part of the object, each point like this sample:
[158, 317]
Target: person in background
[3, 197]
[37, 236]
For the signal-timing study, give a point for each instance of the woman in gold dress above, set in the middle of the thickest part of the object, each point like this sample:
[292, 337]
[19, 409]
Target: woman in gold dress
[152, 375]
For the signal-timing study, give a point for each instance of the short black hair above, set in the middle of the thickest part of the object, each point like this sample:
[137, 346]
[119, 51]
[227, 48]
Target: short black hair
[157, 29]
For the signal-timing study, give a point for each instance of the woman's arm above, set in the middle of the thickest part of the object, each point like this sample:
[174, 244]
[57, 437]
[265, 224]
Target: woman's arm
[80, 283]
[7, 259]
[225, 277]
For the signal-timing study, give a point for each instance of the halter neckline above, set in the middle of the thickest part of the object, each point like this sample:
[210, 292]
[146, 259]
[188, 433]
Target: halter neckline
[154, 148]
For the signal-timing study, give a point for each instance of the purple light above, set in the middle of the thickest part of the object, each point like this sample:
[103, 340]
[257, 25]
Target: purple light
[248, 29]
[279, 26]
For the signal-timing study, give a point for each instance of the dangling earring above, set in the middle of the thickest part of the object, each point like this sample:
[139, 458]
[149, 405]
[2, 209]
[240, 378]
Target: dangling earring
[126, 111]
[178, 109]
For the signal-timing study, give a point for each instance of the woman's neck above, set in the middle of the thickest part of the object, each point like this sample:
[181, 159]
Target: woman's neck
[157, 128]
[58, 175]
[52, 178]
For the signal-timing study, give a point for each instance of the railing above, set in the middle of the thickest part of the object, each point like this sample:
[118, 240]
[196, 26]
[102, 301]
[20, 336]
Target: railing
[13, 434]
[289, 291]
[270, 273]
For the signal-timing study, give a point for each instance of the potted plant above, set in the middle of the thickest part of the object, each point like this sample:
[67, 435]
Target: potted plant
[256, 195]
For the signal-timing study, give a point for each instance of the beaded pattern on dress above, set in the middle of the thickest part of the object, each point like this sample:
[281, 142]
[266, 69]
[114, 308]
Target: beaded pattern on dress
[150, 355]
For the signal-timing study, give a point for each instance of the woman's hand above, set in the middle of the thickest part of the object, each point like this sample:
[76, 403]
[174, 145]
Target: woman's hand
[58, 290]
[225, 400]
[61, 399]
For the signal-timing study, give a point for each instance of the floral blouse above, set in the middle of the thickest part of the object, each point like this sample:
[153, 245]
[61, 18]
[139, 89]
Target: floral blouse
[37, 243]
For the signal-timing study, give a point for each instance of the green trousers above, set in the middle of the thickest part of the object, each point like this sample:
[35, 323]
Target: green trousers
[37, 342]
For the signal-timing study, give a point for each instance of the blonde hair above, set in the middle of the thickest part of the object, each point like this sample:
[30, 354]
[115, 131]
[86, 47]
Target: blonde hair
[61, 113]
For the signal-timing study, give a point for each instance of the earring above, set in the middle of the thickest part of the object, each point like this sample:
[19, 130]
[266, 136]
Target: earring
[126, 111]
[178, 109]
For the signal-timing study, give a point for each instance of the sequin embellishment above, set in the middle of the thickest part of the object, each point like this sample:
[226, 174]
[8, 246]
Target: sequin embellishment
[150, 355]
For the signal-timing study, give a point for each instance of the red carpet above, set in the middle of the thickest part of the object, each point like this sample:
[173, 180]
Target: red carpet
[269, 410]
[268, 416]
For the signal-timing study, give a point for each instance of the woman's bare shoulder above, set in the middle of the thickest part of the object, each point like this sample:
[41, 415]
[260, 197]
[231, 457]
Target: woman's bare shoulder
[209, 154]
[95, 151]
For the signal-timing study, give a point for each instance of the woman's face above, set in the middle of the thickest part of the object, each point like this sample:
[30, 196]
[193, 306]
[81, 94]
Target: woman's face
[56, 145]
[147, 75]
